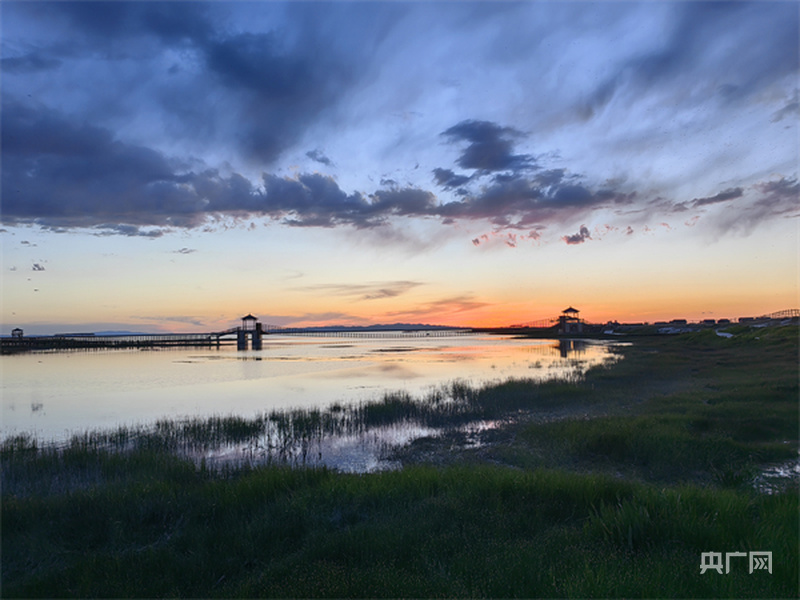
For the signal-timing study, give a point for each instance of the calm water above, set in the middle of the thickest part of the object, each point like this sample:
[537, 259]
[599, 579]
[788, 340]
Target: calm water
[55, 394]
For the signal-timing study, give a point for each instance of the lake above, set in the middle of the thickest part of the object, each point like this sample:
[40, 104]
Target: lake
[53, 395]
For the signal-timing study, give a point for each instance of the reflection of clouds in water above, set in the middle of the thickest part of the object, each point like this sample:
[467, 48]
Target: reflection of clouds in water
[398, 349]
[143, 386]
[397, 371]
[381, 370]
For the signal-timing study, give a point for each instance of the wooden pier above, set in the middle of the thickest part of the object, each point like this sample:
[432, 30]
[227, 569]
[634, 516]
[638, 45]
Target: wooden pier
[236, 335]
[77, 342]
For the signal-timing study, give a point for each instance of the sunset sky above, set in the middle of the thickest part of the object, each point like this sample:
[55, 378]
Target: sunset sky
[173, 166]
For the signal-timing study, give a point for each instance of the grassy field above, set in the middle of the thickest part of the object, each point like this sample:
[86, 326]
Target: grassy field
[609, 486]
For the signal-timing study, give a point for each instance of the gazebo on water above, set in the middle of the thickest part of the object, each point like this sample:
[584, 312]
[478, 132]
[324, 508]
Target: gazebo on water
[250, 328]
[570, 321]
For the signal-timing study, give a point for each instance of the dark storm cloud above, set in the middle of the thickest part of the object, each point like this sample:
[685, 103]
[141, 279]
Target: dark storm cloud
[276, 84]
[449, 180]
[520, 202]
[58, 171]
[280, 89]
[489, 146]
[62, 172]
[516, 193]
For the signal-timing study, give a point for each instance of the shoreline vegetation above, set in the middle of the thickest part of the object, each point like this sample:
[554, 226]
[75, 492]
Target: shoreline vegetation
[608, 483]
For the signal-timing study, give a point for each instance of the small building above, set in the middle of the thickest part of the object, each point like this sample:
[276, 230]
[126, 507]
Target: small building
[250, 328]
[249, 322]
[570, 321]
[16, 333]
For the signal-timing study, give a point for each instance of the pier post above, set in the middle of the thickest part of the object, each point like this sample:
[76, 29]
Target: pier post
[257, 337]
[241, 340]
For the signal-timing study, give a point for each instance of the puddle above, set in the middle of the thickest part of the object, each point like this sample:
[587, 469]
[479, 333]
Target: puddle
[364, 452]
[778, 477]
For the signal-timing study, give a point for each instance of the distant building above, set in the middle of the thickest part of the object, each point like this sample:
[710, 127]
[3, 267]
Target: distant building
[16, 333]
[570, 321]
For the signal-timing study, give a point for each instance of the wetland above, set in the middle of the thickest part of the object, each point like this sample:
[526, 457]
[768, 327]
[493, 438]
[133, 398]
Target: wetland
[610, 482]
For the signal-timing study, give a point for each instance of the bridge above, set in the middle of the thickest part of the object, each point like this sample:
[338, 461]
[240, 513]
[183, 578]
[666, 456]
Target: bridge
[249, 334]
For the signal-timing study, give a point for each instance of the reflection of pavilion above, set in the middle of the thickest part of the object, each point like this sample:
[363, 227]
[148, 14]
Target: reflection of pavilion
[564, 348]
[571, 348]
[570, 321]
[250, 328]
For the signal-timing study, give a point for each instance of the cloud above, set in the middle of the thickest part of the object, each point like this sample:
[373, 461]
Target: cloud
[60, 172]
[449, 180]
[184, 251]
[277, 82]
[438, 308]
[271, 81]
[579, 237]
[778, 197]
[29, 63]
[319, 157]
[766, 200]
[187, 320]
[790, 109]
[489, 146]
[725, 196]
[365, 291]
[697, 37]
[126, 230]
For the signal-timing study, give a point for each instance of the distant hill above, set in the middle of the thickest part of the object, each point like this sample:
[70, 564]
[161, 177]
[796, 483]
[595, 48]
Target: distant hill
[381, 327]
[122, 332]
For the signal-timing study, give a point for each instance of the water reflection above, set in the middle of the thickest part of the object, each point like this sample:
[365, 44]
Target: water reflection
[81, 390]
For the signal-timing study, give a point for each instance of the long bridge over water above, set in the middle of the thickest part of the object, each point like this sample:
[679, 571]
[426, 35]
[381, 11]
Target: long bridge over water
[250, 334]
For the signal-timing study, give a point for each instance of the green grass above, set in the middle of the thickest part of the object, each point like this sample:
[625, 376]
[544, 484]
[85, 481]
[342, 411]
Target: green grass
[644, 465]
[422, 531]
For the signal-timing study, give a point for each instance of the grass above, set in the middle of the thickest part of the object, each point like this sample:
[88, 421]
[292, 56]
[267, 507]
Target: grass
[554, 503]
[421, 531]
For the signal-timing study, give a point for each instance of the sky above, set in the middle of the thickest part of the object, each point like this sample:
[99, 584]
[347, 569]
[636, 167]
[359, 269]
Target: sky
[172, 166]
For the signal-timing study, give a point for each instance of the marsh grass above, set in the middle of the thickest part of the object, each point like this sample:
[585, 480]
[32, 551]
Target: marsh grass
[620, 504]
[421, 532]
[291, 437]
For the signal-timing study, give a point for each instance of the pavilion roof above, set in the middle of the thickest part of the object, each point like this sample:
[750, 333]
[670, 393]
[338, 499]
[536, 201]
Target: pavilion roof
[570, 310]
